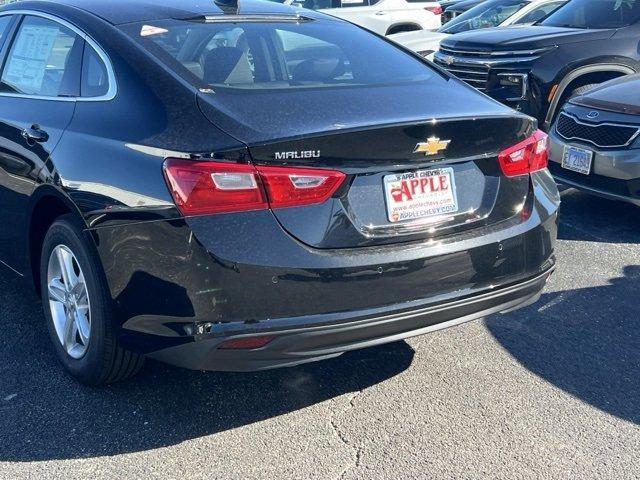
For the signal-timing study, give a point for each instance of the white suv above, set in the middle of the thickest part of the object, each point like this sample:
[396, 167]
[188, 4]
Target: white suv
[384, 17]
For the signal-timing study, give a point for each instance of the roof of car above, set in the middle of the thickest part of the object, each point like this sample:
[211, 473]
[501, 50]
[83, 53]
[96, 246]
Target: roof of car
[128, 11]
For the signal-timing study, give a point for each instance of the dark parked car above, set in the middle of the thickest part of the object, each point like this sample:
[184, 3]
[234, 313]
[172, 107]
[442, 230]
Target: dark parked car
[594, 142]
[538, 68]
[452, 8]
[245, 189]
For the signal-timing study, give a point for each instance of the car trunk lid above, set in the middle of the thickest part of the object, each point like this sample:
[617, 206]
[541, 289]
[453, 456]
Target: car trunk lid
[409, 176]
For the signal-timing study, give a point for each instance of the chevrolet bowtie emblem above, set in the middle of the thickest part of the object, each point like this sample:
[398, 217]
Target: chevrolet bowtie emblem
[432, 146]
[448, 59]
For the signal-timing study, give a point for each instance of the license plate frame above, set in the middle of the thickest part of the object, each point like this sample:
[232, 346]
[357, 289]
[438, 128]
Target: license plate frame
[433, 196]
[577, 159]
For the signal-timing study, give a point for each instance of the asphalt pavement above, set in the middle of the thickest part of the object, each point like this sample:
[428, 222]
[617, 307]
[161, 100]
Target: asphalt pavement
[551, 391]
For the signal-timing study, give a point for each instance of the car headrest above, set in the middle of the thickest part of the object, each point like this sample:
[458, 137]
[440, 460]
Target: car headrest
[539, 15]
[227, 65]
[318, 70]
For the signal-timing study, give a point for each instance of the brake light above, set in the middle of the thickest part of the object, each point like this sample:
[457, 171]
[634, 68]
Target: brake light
[436, 10]
[200, 188]
[211, 187]
[530, 155]
[289, 187]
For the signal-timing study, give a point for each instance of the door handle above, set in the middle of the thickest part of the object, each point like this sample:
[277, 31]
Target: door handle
[35, 134]
[381, 12]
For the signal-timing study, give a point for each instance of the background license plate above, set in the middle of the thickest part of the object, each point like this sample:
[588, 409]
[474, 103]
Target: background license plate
[421, 194]
[577, 159]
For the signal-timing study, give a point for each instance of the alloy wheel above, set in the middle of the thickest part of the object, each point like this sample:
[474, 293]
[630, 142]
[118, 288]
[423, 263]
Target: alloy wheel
[69, 301]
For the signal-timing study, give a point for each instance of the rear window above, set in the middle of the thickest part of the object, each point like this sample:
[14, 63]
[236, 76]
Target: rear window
[595, 14]
[262, 54]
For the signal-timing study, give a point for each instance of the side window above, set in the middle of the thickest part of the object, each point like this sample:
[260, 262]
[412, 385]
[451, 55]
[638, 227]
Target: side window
[5, 21]
[95, 79]
[539, 13]
[320, 4]
[43, 60]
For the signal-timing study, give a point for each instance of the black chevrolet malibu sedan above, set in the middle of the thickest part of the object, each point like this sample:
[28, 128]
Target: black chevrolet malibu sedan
[227, 187]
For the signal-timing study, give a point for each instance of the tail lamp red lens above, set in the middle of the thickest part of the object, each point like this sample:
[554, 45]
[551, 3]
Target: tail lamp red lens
[528, 156]
[290, 187]
[200, 188]
[208, 187]
[436, 10]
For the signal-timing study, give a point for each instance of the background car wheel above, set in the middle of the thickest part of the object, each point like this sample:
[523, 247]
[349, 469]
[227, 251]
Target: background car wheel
[569, 95]
[407, 27]
[77, 307]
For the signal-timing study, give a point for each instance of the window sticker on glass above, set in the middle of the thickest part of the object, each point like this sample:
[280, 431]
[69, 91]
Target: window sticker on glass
[148, 30]
[32, 50]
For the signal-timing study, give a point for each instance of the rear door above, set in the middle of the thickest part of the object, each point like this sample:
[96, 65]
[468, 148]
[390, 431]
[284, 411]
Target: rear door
[39, 83]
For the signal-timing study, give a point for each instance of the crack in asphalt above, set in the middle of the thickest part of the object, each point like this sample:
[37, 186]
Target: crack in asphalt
[357, 449]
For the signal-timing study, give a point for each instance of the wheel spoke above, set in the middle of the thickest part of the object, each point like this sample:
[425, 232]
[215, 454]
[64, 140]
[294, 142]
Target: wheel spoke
[56, 290]
[80, 291]
[65, 260]
[69, 332]
[83, 327]
[83, 308]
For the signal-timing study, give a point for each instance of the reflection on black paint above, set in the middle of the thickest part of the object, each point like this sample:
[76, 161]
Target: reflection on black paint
[146, 294]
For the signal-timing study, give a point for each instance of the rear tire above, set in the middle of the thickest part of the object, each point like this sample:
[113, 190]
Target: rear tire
[78, 308]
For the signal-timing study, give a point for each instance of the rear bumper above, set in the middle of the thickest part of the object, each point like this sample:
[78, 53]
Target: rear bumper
[615, 173]
[182, 287]
[298, 344]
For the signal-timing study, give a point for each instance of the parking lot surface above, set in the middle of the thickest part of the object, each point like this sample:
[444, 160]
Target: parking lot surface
[551, 391]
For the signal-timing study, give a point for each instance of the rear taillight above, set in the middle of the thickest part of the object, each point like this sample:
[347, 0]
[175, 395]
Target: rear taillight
[437, 10]
[212, 187]
[290, 187]
[530, 155]
[200, 188]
